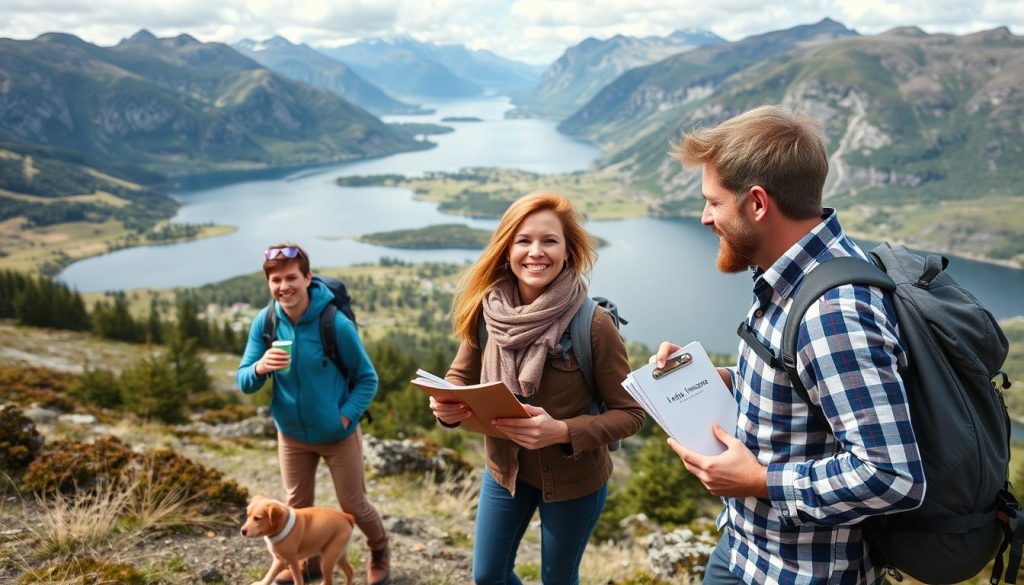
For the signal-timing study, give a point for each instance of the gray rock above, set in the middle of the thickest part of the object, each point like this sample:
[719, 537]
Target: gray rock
[211, 576]
[387, 457]
[399, 525]
[77, 419]
[681, 553]
[41, 416]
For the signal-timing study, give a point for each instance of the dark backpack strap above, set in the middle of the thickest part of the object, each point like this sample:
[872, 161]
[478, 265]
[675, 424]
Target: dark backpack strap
[329, 341]
[579, 337]
[1008, 512]
[329, 338]
[481, 331]
[269, 325]
[826, 276]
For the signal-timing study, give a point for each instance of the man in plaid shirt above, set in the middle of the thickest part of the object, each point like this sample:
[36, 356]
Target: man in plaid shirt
[795, 491]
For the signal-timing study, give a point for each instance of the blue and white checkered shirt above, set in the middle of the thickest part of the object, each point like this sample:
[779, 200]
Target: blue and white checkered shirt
[821, 484]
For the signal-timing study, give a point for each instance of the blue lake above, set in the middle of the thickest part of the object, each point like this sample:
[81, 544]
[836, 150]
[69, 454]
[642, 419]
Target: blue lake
[660, 272]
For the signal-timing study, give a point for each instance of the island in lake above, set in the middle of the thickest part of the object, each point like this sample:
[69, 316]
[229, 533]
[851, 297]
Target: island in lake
[446, 236]
[461, 119]
[434, 237]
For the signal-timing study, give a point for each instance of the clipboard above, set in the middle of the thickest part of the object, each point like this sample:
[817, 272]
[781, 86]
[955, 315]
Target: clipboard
[686, 397]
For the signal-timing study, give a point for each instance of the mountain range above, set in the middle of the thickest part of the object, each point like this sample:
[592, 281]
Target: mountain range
[177, 105]
[584, 69]
[406, 67]
[305, 64]
[909, 116]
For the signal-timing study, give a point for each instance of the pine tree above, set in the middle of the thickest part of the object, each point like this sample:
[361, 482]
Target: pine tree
[150, 391]
[114, 321]
[187, 367]
[154, 326]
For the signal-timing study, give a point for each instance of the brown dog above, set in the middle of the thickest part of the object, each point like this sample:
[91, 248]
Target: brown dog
[295, 534]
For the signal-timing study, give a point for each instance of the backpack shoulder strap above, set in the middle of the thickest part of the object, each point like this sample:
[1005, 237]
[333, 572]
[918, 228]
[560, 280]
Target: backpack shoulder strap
[481, 331]
[825, 277]
[579, 337]
[269, 325]
[329, 338]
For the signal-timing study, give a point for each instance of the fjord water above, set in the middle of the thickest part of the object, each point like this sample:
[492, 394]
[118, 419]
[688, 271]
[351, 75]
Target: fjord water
[660, 272]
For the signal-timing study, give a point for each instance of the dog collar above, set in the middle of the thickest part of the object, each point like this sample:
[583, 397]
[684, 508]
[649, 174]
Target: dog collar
[284, 531]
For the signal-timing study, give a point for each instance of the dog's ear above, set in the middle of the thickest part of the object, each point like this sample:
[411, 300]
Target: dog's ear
[272, 514]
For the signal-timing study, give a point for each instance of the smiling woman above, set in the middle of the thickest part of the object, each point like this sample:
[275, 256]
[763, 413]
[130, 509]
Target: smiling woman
[527, 286]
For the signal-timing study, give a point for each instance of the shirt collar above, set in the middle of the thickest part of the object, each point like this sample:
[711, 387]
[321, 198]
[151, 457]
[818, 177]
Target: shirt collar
[788, 270]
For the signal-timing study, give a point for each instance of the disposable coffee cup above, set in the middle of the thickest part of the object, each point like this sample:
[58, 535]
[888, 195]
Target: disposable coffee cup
[287, 346]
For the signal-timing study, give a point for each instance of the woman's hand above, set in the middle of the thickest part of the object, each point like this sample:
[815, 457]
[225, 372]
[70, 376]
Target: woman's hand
[538, 431]
[273, 359]
[450, 413]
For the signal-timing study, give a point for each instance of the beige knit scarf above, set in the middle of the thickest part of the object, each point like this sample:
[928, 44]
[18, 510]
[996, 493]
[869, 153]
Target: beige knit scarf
[522, 336]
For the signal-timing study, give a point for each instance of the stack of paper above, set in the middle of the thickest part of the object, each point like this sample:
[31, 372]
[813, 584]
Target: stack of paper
[685, 398]
[487, 401]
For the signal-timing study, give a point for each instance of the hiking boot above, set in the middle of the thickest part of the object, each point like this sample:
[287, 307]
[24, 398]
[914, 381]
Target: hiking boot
[379, 570]
[310, 570]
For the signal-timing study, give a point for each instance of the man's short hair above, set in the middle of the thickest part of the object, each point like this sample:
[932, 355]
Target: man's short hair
[767, 146]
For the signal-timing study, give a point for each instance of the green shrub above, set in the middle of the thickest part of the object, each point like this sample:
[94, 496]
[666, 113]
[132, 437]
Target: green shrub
[98, 387]
[70, 466]
[214, 399]
[30, 385]
[659, 487]
[150, 391]
[19, 441]
[228, 414]
[174, 473]
[76, 468]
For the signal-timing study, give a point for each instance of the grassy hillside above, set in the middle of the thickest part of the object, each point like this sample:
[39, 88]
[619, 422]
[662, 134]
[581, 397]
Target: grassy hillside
[55, 209]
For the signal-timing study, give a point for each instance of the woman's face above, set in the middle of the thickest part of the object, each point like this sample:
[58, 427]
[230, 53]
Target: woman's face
[537, 254]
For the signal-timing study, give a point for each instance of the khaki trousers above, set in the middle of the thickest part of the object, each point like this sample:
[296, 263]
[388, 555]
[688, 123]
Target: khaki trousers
[345, 461]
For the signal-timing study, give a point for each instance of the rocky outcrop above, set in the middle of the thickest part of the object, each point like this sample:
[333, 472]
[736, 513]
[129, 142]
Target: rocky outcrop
[387, 457]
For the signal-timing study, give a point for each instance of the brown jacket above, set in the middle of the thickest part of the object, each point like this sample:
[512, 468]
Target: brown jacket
[573, 470]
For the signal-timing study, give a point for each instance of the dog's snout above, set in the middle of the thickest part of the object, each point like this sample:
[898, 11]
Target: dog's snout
[242, 530]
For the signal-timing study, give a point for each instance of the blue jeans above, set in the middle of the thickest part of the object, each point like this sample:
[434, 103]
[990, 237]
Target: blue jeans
[501, 520]
[717, 571]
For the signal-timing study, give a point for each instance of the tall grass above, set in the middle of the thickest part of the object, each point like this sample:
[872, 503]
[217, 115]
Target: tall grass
[115, 515]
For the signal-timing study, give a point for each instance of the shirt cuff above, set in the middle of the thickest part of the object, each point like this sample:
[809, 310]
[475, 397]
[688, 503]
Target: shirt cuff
[782, 492]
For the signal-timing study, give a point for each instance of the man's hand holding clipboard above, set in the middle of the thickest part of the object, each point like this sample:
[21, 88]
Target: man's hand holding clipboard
[692, 401]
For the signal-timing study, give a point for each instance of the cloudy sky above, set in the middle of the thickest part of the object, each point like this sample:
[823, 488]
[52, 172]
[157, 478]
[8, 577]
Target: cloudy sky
[530, 30]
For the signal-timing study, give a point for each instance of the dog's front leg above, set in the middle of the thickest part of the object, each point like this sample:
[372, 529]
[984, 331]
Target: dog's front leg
[276, 567]
[296, 569]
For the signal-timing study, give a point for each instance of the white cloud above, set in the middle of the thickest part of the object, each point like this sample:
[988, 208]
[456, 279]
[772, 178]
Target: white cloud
[532, 30]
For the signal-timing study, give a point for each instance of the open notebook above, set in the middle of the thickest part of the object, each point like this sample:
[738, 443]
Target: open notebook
[487, 401]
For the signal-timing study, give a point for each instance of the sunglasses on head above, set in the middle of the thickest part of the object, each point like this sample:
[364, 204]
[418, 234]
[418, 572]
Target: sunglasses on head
[286, 251]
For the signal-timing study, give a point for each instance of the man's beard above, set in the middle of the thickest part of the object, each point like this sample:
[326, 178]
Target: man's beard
[736, 249]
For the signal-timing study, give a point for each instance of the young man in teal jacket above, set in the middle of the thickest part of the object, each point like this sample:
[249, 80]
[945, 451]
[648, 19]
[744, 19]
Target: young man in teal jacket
[315, 409]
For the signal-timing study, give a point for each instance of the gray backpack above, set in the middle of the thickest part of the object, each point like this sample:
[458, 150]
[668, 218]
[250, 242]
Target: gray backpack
[955, 348]
[577, 340]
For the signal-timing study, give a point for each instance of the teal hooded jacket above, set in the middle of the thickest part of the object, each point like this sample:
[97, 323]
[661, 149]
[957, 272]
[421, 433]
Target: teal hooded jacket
[311, 398]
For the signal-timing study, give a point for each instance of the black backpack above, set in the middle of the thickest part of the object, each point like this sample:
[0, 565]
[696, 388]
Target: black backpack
[577, 340]
[955, 348]
[328, 337]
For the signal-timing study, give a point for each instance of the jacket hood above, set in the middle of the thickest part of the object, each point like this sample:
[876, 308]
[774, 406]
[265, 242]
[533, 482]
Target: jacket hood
[319, 297]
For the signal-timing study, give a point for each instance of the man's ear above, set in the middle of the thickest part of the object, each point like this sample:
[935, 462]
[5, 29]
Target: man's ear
[758, 202]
